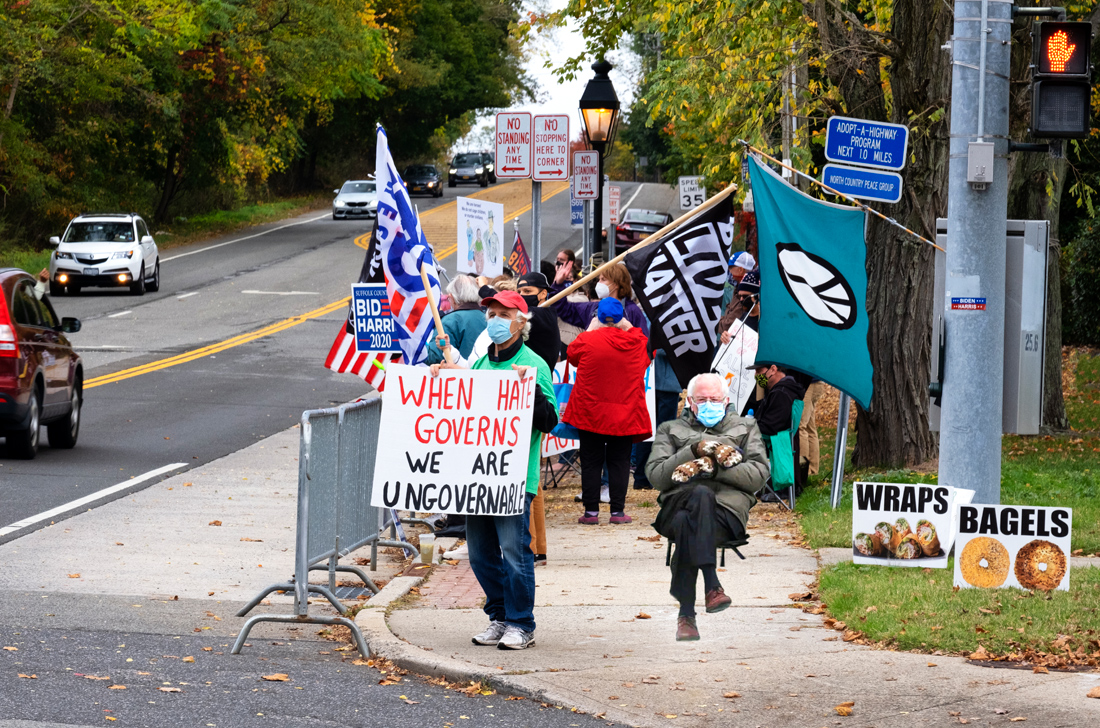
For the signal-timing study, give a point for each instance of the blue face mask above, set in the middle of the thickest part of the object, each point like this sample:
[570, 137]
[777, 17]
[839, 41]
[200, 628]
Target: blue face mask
[710, 413]
[499, 329]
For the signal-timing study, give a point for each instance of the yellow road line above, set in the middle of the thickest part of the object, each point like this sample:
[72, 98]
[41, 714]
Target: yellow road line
[215, 348]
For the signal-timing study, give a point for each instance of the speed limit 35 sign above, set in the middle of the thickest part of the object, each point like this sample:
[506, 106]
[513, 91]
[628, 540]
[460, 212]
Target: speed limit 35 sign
[691, 192]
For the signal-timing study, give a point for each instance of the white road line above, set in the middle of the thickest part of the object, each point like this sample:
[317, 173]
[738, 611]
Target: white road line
[103, 346]
[187, 295]
[247, 237]
[631, 200]
[89, 498]
[120, 313]
[284, 293]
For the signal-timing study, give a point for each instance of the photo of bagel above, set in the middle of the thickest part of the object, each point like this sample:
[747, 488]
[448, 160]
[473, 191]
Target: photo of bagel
[1040, 565]
[984, 562]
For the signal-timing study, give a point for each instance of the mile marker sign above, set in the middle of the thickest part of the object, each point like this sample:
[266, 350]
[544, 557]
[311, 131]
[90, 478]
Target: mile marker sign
[586, 175]
[551, 151]
[513, 138]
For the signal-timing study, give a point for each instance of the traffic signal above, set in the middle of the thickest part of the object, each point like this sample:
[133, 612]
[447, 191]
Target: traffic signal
[1061, 80]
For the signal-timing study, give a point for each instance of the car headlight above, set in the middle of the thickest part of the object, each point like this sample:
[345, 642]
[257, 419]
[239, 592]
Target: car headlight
[454, 171]
[63, 256]
[431, 184]
[479, 170]
[338, 203]
[127, 254]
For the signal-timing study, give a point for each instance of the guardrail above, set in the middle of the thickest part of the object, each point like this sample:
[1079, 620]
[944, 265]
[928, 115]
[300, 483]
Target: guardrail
[337, 452]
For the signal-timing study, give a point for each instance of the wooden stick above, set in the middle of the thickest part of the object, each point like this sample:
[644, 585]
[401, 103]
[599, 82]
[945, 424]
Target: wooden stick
[648, 241]
[435, 310]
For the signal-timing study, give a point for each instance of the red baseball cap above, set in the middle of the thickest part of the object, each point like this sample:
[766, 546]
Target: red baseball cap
[508, 299]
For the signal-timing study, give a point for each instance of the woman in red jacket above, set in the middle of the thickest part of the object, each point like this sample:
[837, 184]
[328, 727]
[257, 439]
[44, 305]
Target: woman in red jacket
[607, 405]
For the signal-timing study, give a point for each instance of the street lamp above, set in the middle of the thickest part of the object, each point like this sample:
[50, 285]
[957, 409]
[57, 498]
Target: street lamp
[599, 108]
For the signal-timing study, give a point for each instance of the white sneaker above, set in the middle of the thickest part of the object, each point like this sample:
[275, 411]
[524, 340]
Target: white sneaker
[458, 552]
[516, 639]
[605, 494]
[492, 634]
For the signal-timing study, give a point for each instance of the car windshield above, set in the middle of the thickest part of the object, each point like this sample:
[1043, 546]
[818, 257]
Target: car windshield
[644, 217]
[421, 169]
[357, 188]
[467, 160]
[99, 232]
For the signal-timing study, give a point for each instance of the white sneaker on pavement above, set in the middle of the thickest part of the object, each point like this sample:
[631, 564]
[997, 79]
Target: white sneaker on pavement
[516, 639]
[458, 552]
[492, 634]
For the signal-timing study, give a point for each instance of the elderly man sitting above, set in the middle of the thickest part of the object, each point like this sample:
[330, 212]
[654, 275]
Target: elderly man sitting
[707, 465]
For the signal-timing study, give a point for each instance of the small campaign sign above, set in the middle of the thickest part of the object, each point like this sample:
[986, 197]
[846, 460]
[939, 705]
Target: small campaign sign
[866, 143]
[551, 148]
[455, 443]
[904, 524]
[1022, 546]
[513, 145]
[375, 328]
[964, 303]
[586, 174]
[866, 184]
[691, 192]
[732, 362]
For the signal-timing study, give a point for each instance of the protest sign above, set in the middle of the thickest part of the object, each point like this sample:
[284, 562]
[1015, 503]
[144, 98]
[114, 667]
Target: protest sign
[480, 231]
[731, 360]
[1022, 546]
[456, 443]
[904, 524]
[375, 328]
[553, 445]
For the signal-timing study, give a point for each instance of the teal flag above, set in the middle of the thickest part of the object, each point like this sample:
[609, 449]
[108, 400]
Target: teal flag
[813, 285]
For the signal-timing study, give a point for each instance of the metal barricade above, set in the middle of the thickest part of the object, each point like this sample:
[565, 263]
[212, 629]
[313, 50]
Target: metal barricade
[337, 451]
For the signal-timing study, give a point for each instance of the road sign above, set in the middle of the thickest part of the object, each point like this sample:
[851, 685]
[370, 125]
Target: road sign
[375, 328]
[866, 184]
[866, 143]
[586, 175]
[576, 212]
[614, 194]
[692, 194]
[513, 143]
[551, 152]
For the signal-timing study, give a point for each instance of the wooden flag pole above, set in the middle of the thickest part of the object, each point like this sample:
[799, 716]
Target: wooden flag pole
[648, 241]
[435, 310]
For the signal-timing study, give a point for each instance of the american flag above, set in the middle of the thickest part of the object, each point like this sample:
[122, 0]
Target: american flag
[404, 250]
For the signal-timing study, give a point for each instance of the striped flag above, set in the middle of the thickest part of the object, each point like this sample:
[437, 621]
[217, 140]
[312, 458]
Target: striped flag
[404, 250]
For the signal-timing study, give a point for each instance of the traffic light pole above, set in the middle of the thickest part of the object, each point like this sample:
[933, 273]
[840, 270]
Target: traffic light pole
[977, 210]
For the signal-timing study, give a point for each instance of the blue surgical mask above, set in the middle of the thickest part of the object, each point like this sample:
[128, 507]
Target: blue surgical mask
[710, 413]
[499, 329]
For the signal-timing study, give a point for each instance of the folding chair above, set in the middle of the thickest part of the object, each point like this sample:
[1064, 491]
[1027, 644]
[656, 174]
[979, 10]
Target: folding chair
[792, 433]
[734, 546]
[554, 478]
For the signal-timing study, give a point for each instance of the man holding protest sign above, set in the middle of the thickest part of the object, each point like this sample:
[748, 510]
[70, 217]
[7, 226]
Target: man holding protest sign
[500, 545]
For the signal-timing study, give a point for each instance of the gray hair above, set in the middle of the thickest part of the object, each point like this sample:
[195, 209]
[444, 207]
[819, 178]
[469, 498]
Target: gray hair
[524, 317]
[707, 376]
[464, 289]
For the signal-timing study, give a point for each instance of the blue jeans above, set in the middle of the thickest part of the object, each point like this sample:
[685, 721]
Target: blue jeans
[502, 560]
[666, 405]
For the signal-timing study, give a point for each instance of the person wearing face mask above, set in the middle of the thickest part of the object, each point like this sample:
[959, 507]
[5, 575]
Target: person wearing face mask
[545, 340]
[500, 546]
[614, 282]
[773, 411]
[740, 264]
[707, 464]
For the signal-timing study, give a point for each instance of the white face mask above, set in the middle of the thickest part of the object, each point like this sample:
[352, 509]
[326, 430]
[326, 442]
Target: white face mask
[602, 290]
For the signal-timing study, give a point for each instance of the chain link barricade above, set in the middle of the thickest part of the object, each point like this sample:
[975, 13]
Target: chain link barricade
[337, 451]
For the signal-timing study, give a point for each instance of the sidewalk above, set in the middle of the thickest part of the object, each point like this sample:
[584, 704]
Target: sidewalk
[763, 662]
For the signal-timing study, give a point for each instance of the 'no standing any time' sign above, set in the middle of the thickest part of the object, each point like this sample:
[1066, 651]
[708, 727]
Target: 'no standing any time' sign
[586, 174]
[513, 144]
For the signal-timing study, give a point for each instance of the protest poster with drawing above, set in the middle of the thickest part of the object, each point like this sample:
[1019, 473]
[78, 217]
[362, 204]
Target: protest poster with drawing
[456, 443]
[1022, 546]
[731, 360]
[480, 232]
[904, 524]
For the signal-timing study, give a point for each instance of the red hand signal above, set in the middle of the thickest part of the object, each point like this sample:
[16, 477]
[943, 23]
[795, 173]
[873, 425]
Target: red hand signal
[1059, 51]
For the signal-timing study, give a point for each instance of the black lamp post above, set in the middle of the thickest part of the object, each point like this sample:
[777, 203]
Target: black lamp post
[600, 115]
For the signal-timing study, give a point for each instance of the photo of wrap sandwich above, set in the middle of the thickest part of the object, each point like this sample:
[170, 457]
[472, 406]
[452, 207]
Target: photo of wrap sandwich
[901, 527]
[886, 536]
[867, 544]
[927, 538]
[909, 548]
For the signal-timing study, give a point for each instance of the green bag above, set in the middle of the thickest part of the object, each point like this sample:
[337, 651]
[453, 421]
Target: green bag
[781, 447]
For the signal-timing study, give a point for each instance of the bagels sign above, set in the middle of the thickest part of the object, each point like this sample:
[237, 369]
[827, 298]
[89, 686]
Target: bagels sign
[1021, 546]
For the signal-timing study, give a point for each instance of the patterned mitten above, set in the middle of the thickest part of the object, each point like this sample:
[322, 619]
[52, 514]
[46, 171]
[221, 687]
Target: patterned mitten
[727, 456]
[703, 448]
[698, 468]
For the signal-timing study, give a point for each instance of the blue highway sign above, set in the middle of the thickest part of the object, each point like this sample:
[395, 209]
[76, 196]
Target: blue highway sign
[866, 143]
[576, 212]
[375, 328]
[866, 184]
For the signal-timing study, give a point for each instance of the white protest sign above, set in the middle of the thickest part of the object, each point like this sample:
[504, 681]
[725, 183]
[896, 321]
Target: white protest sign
[904, 524]
[480, 231]
[513, 145]
[456, 443]
[551, 148]
[691, 192]
[552, 445]
[586, 175]
[1022, 546]
[731, 362]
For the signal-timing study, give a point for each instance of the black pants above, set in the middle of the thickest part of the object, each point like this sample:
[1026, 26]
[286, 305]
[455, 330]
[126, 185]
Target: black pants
[693, 520]
[596, 450]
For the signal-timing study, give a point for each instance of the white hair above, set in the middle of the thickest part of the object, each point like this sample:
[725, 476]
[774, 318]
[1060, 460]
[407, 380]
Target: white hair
[463, 289]
[525, 317]
[707, 376]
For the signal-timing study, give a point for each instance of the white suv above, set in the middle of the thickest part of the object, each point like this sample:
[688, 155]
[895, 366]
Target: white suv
[106, 250]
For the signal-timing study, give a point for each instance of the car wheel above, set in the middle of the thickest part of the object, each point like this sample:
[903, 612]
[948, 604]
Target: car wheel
[23, 444]
[137, 288]
[492, 179]
[56, 290]
[63, 432]
[450, 183]
[483, 182]
[72, 290]
[155, 284]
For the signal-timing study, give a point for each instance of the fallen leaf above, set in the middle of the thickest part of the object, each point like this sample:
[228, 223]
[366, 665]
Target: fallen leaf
[253, 540]
[964, 721]
[1000, 711]
[116, 687]
[731, 695]
[277, 677]
[1017, 719]
[74, 576]
[1040, 669]
[871, 608]
[95, 677]
[28, 677]
[207, 649]
[843, 709]
[642, 615]
[108, 717]
[954, 713]
[801, 596]
[12, 649]
[931, 664]
[170, 690]
[1094, 693]
[188, 659]
[979, 654]
[214, 523]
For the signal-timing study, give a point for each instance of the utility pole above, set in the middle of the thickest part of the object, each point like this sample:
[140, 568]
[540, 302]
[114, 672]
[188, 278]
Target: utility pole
[977, 210]
[536, 225]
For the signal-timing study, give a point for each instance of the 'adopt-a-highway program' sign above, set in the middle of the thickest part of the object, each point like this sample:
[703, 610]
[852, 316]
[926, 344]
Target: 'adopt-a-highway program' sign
[866, 184]
[551, 151]
[586, 175]
[866, 143]
[375, 328]
[513, 145]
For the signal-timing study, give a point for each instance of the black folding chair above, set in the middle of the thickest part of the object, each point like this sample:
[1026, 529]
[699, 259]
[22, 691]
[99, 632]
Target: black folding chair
[734, 546]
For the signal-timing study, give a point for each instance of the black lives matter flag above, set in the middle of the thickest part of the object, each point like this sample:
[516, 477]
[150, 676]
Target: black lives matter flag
[679, 281]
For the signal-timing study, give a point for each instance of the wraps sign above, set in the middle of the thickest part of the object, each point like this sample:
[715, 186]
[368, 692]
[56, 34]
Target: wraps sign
[902, 524]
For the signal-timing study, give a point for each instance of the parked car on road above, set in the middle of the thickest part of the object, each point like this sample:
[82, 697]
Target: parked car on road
[356, 198]
[637, 225]
[108, 250]
[423, 178]
[41, 377]
[469, 167]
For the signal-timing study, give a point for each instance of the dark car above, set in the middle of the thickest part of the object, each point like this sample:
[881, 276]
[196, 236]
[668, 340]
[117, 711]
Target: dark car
[468, 167]
[637, 225]
[490, 163]
[41, 377]
[423, 178]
